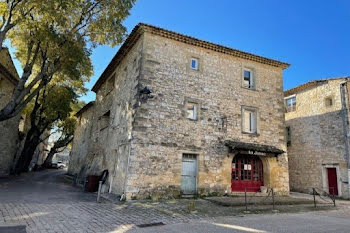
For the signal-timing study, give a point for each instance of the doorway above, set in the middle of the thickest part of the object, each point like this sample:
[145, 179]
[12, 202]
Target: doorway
[247, 173]
[332, 181]
[189, 174]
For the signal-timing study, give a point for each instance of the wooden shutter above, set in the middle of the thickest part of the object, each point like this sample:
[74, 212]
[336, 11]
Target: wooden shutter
[253, 122]
[246, 121]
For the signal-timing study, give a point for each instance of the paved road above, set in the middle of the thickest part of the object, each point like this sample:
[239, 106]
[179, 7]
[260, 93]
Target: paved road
[283, 223]
[44, 202]
[41, 187]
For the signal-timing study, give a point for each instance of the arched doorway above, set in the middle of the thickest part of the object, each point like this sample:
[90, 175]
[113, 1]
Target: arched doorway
[247, 173]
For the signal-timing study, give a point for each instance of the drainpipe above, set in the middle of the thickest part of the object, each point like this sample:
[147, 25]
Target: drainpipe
[345, 116]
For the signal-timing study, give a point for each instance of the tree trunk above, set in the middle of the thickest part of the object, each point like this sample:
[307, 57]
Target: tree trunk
[31, 143]
[49, 157]
[19, 148]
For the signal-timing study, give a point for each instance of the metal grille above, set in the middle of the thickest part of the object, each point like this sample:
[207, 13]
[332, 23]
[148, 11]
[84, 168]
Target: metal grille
[189, 156]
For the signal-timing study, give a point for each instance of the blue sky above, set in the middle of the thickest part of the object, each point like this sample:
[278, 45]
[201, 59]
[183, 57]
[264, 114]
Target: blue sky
[313, 36]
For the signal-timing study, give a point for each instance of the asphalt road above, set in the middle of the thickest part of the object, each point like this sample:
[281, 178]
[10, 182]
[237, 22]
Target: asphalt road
[47, 186]
[282, 223]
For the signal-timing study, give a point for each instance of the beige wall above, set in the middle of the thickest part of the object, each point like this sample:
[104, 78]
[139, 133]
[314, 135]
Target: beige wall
[317, 139]
[80, 155]
[103, 142]
[8, 128]
[162, 132]
[142, 145]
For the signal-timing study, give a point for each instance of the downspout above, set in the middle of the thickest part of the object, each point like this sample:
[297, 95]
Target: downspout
[345, 116]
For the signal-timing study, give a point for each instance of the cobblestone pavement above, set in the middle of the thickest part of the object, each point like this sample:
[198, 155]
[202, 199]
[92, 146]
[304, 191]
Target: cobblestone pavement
[46, 202]
[43, 202]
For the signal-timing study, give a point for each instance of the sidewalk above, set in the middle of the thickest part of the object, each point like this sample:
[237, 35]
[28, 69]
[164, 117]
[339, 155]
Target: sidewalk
[240, 201]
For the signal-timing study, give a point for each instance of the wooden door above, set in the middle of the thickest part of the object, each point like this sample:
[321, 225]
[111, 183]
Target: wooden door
[332, 181]
[247, 173]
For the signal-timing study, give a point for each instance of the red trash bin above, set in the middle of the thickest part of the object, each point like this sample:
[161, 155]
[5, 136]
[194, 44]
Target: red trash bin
[92, 183]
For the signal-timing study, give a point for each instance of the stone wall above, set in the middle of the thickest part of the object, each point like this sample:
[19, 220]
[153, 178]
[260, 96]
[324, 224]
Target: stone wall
[139, 130]
[317, 139]
[8, 128]
[162, 133]
[80, 157]
[107, 136]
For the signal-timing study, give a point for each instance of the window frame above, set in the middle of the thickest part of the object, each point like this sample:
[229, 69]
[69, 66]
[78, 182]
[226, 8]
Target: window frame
[292, 109]
[243, 123]
[252, 82]
[110, 84]
[195, 110]
[196, 68]
[327, 103]
[104, 120]
[196, 102]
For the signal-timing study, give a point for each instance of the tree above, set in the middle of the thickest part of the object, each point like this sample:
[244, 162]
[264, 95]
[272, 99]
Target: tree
[12, 13]
[65, 129]
[56, 38]
[50, 110]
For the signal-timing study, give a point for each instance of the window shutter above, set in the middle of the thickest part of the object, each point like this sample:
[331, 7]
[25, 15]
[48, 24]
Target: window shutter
[252, 84]
[246, 122]
[253, 122]
[249, 123]
[195, 112]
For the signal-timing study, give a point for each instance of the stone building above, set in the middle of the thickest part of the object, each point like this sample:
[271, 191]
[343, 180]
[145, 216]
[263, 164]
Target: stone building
[177, 115]
[9, 128]
[317, 120]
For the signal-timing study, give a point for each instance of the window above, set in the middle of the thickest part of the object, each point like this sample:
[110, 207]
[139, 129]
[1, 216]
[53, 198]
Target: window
[194, 64]
[329, 102]
[134, 63]
[192, 110]
[104, 120]
[249, 120]
[291, 104]
[248, 80]
[189, 156]
[110, 85]
[289, 136]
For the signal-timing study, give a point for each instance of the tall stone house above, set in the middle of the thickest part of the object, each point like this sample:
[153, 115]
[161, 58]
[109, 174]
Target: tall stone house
[317, 120]
[177, 115]
[8, 129]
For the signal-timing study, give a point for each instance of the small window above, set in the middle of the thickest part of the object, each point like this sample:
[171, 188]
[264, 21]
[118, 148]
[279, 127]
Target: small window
[248, 80]
[194, 63]
[134, 63]
[329, 101]
[192, 110]
[110, 85]
[291, 104]
[189, 156]
[249, 120]
[289, 136]
[104, 120]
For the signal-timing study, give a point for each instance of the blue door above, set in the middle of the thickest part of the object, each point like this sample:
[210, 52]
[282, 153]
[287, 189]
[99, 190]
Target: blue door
[189, 174]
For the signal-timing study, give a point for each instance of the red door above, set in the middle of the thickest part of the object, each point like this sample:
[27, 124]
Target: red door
[247, 173]
[332, 181]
